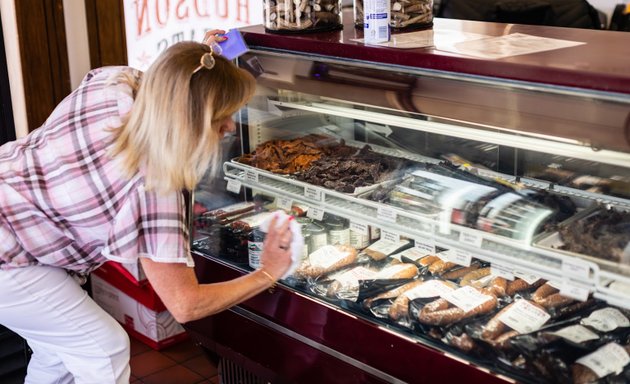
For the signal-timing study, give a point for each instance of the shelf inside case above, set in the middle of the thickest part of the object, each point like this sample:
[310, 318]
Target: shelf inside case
[577, 277]
[463, 130]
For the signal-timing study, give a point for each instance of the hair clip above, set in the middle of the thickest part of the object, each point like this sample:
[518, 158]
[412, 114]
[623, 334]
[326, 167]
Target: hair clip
[207, 61]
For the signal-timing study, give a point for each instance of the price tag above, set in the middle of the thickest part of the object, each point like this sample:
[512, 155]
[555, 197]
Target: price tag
[577, 268]
[390, 236]
[360, 228]
[386, 214]
[234, 186]
[574, 291]
[459, 256]
[467, 298]
[524, 317]
[251, 176]
[501, 271]
[611, 358]
[284, 203]
[427, 247]
[576, 333]
[528, 277]
[313, 193]
[470, 238]
[315, 213]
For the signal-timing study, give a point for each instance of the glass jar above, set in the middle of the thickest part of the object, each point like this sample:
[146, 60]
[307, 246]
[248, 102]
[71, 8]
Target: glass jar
[255, 242]
[298, 16]
[405, 14]
[338, 231]
[318, 237]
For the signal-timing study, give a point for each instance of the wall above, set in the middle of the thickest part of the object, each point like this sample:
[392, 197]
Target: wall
[14, 66]
[78, 46]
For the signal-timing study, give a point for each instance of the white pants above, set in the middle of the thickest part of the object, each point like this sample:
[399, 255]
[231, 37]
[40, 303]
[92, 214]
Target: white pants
[72, 338]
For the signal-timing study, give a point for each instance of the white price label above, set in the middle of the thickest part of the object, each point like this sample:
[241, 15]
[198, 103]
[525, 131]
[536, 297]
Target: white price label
[426, 247]
[431, 288]
[386, 214]
[574, 291]
[251, 176]
[234, 186]
[315, 213]
[284, 203]
[471, 238]
[528, 277]
[390, 236]
[360, 228]
[606, 320]
[576, 333]
[467, 298]
[577, 268]
[458, 256]
[502, 271]
[611, 358]
[313, 193]
[524, 317]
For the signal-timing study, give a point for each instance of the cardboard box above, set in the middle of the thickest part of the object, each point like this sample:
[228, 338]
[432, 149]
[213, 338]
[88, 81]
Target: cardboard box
[137, 308]
[132, 271]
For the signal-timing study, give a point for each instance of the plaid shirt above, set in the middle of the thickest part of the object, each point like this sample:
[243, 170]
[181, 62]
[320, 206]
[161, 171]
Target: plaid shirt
[63, 199]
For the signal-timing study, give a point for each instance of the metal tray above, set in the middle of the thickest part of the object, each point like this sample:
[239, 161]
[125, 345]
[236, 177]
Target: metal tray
[553, 241]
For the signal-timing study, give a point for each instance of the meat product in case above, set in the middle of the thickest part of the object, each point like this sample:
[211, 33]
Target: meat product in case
[604, 234]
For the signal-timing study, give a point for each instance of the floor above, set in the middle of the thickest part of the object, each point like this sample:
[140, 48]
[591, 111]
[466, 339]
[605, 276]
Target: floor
[182, 363]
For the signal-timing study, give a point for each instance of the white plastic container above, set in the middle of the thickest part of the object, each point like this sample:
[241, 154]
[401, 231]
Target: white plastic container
[377, 14]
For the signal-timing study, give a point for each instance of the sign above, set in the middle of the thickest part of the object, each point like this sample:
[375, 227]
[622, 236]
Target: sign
[154, 25]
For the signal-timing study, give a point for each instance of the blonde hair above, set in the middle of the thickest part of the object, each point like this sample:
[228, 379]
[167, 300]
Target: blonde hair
[172, 133]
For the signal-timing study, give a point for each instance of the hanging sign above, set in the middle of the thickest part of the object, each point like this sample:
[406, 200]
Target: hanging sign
[154, 25]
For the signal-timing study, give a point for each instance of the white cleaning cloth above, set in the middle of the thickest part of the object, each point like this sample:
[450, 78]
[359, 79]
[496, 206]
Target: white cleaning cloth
[297, 240]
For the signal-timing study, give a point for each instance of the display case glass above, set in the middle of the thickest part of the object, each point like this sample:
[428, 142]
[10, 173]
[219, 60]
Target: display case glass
[481, 217]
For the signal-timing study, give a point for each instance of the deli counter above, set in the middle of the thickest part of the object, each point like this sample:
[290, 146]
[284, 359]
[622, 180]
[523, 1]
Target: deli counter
[465, 217]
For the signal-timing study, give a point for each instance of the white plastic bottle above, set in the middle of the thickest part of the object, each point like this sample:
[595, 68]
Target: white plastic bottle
[377, 14]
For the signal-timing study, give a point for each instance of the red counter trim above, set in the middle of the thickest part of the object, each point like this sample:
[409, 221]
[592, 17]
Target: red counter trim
[602, 64]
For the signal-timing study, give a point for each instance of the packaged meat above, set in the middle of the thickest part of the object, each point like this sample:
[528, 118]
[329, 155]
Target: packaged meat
[325, 260]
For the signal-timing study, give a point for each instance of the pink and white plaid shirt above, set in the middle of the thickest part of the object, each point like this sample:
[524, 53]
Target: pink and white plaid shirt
[63, 199]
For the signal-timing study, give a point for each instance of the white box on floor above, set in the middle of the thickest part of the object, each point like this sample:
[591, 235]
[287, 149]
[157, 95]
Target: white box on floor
[132, 271]
[155, 326]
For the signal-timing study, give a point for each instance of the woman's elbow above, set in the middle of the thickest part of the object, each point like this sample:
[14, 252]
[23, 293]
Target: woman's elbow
[184, 311]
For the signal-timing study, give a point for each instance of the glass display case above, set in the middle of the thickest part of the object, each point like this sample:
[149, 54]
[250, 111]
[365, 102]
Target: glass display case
[462, 217]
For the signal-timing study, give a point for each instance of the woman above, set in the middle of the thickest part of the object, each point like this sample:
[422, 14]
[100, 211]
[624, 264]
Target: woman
[101, 180]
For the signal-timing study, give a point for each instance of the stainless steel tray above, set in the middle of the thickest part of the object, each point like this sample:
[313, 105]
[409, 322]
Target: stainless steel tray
[553, 241]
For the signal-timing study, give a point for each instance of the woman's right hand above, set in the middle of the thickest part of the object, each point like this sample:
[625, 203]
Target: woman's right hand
[213, 36]
[276, 255]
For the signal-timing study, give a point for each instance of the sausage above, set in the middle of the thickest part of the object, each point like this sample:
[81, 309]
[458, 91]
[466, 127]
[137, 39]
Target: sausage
[497, 286]
[393, 293]
[520, 285]
[428, 260]
[503, 341]
[463, 342]
[555, 301]
[542, 292]
[306, 269]
[400, 306]
[398, 271]
[477, 274]
[495, 327]
[584, 375]
[435, 314]
[436, 305]
[455, 274]
[441, 266]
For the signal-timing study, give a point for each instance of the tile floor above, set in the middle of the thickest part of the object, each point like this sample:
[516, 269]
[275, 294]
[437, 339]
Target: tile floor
[182, 363]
